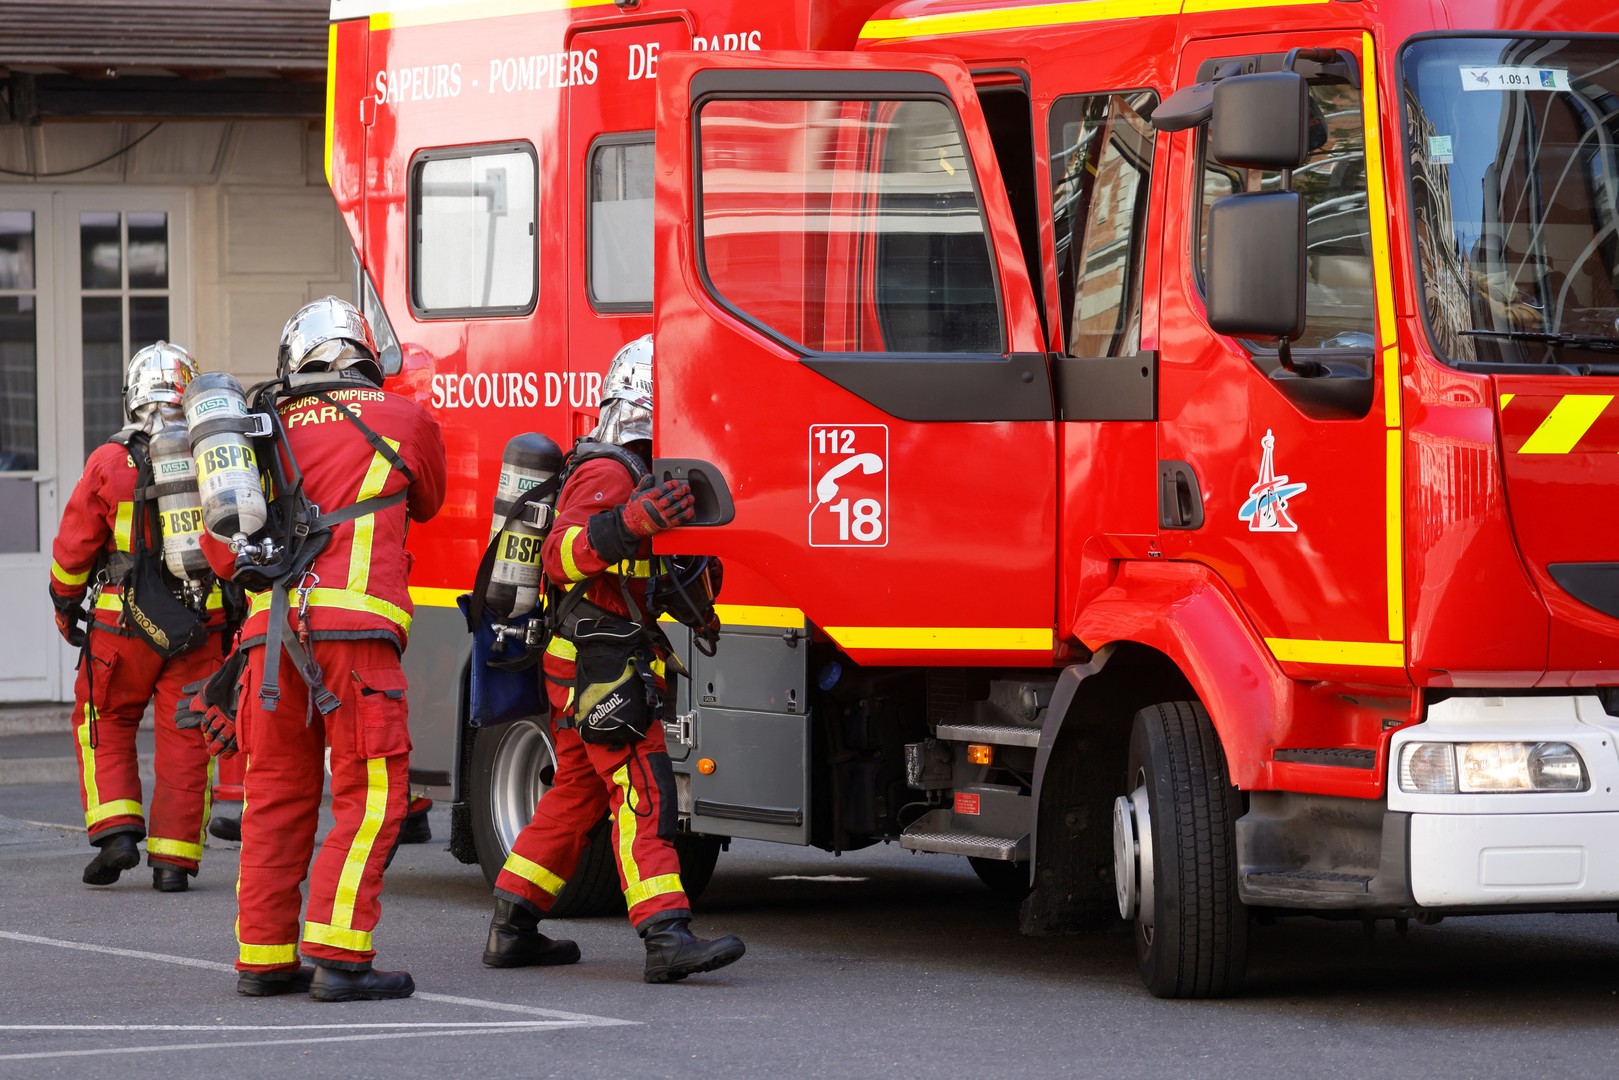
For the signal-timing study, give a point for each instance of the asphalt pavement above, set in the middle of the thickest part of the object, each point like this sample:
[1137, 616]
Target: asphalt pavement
[878, 963]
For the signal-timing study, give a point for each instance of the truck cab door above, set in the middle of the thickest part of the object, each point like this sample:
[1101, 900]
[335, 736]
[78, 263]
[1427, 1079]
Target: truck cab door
[848, 344]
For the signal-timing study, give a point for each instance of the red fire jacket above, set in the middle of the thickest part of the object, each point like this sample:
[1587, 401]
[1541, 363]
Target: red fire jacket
[597, 485]
[99, 523]
[364, 571]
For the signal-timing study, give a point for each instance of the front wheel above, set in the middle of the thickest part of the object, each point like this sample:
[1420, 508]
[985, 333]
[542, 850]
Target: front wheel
[1175, 858]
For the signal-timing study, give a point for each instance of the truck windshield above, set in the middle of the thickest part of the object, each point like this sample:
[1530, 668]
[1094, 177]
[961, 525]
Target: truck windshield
[1514, 151]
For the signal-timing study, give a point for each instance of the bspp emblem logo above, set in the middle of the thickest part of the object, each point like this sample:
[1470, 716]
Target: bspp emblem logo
[848, 481]
[1266, 508]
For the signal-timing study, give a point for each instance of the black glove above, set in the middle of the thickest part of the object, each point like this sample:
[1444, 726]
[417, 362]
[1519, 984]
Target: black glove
[211, 705]
[69, 614]
[617, 534]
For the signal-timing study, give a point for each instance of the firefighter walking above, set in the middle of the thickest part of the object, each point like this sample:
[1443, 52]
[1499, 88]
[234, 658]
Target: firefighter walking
[600, 550]
[107, 527]
[371, 462]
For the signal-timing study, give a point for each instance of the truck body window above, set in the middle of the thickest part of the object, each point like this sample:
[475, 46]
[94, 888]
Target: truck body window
[473, 232]
[619, 223]
[1339, 301]
[1101, 173]
[1514, 163]
[848, 226]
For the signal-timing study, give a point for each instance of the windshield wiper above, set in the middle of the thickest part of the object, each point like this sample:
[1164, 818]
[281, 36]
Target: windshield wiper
[1574, 341]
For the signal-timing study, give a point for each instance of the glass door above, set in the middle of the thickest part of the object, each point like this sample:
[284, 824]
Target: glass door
[30, 664]
[86, 277]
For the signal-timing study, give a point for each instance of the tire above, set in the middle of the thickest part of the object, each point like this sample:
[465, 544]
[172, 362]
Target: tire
[1175, 856]
[698, 854]
[511, 765]
[1006, 881]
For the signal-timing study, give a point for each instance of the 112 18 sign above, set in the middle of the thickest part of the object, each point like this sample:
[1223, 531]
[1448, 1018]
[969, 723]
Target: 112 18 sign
[848, 476]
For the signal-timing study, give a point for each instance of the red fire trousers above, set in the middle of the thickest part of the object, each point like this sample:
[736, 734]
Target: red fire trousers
[635, 787]
[285, 775]
[117, 678]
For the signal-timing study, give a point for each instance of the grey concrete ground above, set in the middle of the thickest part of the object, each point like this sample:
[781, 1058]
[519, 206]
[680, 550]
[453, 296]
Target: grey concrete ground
[878, 963]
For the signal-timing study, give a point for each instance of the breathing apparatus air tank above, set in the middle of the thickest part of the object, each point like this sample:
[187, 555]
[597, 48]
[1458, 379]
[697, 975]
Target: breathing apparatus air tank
[233, 506]
[530, 460]
[179, 505]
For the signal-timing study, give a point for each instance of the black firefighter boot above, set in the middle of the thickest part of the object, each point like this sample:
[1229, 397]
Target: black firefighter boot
[515, 941]
[673, 951]
[366, 984]
[118, 853]
[166, 878]
[271, 983]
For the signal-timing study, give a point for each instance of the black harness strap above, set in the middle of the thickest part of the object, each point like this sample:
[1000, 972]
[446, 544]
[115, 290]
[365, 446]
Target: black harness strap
[276, 637]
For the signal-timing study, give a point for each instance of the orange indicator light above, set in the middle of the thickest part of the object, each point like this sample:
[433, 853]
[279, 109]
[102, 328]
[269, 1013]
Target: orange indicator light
[980, 754]
[706, 766]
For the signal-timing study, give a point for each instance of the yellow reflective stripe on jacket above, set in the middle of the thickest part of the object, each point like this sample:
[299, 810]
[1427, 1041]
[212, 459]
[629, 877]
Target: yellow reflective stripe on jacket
[570, 569]
[61, 574]
[634, 568]
[123, 525]
[267, 954]
[365, 528]
[561, 648]
[533, 872]
[180, 849]
[348, 883]
[338, 937]
[341, 599]
[109, 601]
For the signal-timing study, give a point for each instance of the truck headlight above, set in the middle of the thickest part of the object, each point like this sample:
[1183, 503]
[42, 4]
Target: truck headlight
[1490, 768]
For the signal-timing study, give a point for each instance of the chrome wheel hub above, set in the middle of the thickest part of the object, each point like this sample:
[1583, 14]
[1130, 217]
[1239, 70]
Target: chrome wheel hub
[1132, 856]
[515, 783]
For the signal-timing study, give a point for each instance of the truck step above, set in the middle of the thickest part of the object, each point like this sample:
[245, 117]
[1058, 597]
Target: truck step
[932, 832]
[1292, 882]
[994, 734]
[1338, 757]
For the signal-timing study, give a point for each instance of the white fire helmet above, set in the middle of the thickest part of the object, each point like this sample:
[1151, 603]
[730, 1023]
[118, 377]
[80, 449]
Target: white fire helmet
[328, 335]
[626, 405]
[156, 379]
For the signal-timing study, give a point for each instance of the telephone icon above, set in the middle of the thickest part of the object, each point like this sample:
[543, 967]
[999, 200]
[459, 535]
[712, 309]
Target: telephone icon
[826, 488]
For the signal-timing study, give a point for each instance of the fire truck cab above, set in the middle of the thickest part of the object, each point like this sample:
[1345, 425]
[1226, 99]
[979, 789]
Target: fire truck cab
[1156, 446]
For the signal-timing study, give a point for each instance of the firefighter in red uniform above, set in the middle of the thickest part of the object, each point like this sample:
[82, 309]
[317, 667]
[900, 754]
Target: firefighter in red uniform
[350, 613]
[602, 538]
[119, 673]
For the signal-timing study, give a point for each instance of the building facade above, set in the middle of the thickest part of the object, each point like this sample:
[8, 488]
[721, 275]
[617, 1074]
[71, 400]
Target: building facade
[161, 176]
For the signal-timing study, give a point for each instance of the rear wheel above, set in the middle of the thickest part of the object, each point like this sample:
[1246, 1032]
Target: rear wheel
[1175, 864]
[1007, 881]
[512, 766]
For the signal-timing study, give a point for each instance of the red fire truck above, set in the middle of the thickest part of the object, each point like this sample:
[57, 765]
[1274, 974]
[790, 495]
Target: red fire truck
[1156, 446]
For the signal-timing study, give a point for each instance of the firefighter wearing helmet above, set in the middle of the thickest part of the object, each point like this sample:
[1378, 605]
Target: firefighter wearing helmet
[379, 457]
[110, 532]
[604, 676]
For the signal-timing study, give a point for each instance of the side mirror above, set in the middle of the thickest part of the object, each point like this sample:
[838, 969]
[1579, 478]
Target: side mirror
[392, 360]
[1261, 121]
[1255, 277]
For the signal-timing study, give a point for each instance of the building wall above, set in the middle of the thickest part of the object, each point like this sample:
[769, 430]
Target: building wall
[265, 236]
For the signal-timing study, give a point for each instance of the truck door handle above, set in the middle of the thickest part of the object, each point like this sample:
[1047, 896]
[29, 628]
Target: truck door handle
[1180, 500]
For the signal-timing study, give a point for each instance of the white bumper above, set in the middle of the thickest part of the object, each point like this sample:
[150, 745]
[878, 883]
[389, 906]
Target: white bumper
[1539, 849]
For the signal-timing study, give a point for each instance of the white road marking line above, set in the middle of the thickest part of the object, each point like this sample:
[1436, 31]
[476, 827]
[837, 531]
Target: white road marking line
[536, 1026]
[214, 965]
[550, 1014]
[289, 1027]
[817, 877]
[184, 961]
